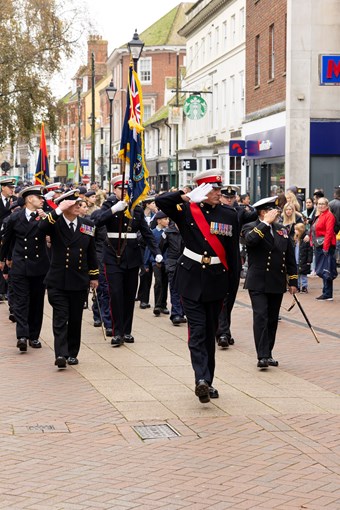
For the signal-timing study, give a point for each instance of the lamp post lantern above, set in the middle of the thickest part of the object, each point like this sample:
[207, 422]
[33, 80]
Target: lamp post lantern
[135, 48]
[110, 92]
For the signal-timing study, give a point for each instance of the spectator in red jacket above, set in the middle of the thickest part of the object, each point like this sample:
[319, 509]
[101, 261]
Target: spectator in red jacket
[323, 230]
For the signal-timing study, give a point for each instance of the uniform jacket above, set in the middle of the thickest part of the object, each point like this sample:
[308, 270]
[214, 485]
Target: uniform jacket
[4, 211]
[73, 255]
[131, 255]
[148, 258]
[25, 244]
[305, 258]
[172, 244]
[271, 258]
[193, 280]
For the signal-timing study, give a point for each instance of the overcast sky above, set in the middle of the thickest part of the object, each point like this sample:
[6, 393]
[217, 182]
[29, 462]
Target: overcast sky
[116, 21]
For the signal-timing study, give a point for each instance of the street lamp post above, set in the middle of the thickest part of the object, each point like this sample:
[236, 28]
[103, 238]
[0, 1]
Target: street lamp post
[135, 48]
[110, 92]
[79, 132]
[93, 118]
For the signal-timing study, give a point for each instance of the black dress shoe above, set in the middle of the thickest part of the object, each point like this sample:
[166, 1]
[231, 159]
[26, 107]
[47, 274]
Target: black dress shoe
[202, 391]
[272, 362]
[223, 342]
[177, 320]
[60, 362]
[165, 311]
[263, 363]
[117, 341]
[22, 344]
[35, 344]
[183, 320]
[108, 332]
[129, 339]
[157, 312]
[213, 392]
[231, 341]
[12, 317]
[143, 305]
[72, 361]
[97, 324]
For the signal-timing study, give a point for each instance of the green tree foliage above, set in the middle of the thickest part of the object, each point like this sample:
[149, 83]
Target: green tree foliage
[36, 36]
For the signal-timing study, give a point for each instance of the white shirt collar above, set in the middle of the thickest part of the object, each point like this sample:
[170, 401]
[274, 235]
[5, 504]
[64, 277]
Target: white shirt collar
[75, 222]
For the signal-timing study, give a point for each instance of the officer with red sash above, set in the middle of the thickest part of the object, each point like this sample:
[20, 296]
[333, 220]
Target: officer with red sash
[207, 268]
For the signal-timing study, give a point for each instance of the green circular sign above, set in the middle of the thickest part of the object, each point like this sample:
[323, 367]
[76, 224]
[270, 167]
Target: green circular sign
[195, 107]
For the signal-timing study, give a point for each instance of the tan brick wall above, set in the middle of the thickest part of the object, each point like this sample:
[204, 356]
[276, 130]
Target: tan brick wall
[261, 14]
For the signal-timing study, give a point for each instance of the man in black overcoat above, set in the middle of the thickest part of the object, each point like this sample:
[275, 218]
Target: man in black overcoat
[207, 268]
[24, 245]
[73, 268]
[271, 267]
[6, 198]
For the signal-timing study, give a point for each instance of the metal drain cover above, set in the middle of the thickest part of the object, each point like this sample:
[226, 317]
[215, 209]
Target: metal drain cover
[155, 431]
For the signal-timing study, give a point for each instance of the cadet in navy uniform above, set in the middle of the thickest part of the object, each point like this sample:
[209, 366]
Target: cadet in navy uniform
[223, 335]
[206, 270]
[25, 245]
[271, 265]
[122, 268]
[73, 267]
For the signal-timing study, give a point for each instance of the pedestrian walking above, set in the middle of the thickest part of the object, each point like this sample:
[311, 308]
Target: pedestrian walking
[207, 268]
[25, 246]
[7, 191]
[122, 259]
[73, 268]
[271, 265]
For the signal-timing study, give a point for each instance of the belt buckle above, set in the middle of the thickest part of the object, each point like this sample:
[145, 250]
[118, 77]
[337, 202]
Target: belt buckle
[206, 259]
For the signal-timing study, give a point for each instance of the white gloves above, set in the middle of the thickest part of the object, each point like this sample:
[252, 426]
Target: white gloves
[199, 194]
[159, 258]
[119, 206]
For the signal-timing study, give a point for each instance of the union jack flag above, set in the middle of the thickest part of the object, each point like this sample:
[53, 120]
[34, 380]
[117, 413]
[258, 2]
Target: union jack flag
[132, 143]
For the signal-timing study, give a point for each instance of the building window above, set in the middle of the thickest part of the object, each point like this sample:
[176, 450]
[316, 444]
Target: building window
[257, 61]
[209, 45]
[145, 70]
[216, 108]
[241, 74]
[217, 40]
[147, 112]
[225, 35]
[232, 100]
[203, 50]
[235, 165]
[196, 56]
[242, 24]
[271, 52]
[224, 103]
[210, 163]
[233, 30]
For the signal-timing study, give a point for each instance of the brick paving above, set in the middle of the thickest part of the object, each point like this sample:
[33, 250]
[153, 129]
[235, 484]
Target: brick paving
[270, 441]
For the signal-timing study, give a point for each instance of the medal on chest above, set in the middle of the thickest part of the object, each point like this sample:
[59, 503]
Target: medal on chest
[87, 229]
[221, 229]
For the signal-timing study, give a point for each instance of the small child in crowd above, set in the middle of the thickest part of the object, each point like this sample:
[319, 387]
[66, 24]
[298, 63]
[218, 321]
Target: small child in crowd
[303, 256]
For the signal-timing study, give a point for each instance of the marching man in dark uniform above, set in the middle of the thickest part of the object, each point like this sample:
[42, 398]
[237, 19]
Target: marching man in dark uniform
[272, 264]
[223, 334]
[73, 267]
[206, 270]
[25, 246]
[122, 258]
[7, 189]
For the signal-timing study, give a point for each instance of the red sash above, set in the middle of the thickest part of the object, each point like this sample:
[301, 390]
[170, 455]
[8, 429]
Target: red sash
[212, 239]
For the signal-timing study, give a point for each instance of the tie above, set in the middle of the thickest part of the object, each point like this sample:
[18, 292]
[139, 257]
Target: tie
[33, 216]
[6, 203]
[72, 227]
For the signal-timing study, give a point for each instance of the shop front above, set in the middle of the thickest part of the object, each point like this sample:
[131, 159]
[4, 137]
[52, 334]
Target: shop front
[265, 163]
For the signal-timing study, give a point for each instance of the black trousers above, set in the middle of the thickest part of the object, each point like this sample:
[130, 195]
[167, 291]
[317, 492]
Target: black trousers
[68, 307]
[224, 320]
[161, 286]
[202, 325]
[145, 280]
[266, 308]
[27, 304]
[122, 289]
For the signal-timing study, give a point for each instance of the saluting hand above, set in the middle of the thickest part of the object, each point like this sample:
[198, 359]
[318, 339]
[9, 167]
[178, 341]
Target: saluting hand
[66, 204]
[270, 216]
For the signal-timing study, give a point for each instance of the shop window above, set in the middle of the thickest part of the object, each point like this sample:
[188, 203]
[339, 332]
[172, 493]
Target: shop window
[235, 173]
[210, 163]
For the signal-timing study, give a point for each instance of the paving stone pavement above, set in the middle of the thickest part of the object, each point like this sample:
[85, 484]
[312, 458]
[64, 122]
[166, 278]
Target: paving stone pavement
[270, 441]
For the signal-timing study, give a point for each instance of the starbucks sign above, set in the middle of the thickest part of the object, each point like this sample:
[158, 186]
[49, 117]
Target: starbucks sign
[195, 107]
